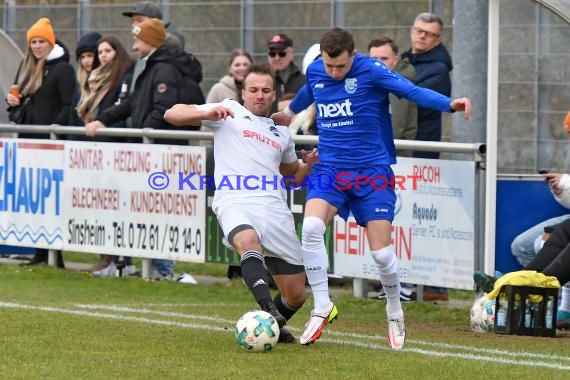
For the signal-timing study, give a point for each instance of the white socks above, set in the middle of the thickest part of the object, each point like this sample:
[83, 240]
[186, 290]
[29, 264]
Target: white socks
[316, 261]
[390, 278]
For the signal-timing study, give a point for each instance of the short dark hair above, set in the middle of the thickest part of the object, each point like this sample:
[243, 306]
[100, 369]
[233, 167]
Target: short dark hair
[336, 41]
[260, 69]
[381, 41]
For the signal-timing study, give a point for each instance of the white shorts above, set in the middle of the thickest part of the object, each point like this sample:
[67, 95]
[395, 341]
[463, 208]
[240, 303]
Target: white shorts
[271, 219]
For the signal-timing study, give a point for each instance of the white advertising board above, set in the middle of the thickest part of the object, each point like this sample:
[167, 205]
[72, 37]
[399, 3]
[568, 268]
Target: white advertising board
[432, 232]
[135, 200]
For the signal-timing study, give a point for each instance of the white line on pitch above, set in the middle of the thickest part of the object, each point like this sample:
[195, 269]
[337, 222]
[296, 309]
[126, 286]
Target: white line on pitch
[335, 341]
[332, 332]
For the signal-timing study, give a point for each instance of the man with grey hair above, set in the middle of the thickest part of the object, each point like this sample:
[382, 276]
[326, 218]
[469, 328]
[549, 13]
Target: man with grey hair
[433, 65]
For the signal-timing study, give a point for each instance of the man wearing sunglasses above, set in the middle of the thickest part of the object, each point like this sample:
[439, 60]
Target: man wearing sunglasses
[288, 76]
[433, 66]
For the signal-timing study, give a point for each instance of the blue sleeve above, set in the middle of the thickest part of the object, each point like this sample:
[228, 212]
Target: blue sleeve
[393, 82]
[303, 99]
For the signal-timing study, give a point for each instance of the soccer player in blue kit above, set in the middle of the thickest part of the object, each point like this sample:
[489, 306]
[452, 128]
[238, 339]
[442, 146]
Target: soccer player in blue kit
[350, 92]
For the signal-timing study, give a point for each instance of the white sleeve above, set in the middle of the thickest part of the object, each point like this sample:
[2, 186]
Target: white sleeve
[208, 106]
[564, 197]
[289, 154]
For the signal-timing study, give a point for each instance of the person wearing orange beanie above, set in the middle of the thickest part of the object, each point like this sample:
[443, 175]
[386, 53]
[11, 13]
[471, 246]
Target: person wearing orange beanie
[46, 82]
[43, 29]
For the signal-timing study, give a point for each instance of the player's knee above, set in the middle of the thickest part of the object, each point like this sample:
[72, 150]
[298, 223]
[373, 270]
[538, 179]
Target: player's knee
[313, 231]
[246, 240]
[386, 259]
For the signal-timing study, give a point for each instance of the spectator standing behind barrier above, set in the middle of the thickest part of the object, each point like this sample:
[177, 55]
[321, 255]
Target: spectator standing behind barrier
[231, 85]
[350, 92]
[280, 55]
[404, 113]
[433, 66]
[190, 90]
[257, 223]
[46, 83]
[158, 88]
[107, 85]
[87, 61]
[144, 11]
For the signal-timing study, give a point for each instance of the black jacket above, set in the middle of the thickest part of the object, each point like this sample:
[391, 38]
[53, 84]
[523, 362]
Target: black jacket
[294, 82]
[433, 72]
[51, 102]
[157, 89]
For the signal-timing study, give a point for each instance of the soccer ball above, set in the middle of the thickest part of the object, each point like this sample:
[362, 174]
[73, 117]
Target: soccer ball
[483, 315]
[257, 331]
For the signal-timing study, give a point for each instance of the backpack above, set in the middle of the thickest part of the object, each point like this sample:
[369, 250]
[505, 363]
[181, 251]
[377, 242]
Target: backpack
[191, 93]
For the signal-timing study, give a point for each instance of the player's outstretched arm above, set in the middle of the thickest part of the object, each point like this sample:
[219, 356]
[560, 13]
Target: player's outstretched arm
[189, 114]
[462, 105]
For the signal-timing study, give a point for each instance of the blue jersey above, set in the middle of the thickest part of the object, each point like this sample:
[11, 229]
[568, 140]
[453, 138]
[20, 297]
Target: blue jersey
[353, 117]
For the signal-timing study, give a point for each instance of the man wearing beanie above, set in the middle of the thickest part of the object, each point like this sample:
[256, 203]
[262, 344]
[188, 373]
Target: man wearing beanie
[87, 44]
[165, 80]
[156, 88]
[88, 60]
[145, 10]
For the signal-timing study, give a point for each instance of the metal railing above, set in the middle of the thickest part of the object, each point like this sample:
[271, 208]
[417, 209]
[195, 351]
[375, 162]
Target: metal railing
[476, 151]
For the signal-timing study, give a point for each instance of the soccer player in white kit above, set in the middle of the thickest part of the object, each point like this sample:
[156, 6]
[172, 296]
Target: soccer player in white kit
[251, 153]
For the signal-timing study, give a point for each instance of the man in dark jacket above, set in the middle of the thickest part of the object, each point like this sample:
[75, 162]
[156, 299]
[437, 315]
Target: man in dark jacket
[158, 87]
[404, 113]
[288, 77]
[433, 65]
[165, 80]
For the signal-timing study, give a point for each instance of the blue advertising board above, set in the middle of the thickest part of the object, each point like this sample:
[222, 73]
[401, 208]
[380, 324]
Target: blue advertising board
[521, 203]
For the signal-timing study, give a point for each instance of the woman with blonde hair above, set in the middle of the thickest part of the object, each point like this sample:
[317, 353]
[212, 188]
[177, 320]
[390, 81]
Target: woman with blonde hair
[45, 83]
[87, 61]
[230, 85]
[45, 79]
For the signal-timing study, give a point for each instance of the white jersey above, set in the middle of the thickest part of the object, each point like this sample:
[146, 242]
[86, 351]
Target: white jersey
[248, 150]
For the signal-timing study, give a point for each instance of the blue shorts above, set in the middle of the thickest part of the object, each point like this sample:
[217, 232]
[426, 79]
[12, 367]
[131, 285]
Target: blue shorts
[366, 192]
